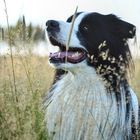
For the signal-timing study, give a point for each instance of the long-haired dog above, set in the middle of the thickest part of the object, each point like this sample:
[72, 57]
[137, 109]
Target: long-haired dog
[91, 98]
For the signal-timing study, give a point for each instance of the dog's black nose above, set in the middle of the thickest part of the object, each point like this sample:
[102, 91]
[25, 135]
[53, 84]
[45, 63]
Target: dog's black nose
[52, 24]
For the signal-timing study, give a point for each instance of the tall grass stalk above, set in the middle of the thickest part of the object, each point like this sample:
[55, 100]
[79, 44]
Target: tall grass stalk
[70, 32]
[15, 97]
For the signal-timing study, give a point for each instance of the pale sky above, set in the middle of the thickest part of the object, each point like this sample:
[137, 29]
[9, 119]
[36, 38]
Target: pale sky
[39, 11]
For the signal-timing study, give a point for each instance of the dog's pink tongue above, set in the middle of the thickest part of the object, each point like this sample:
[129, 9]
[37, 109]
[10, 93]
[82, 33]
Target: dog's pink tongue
[59, 54]
[62, 55]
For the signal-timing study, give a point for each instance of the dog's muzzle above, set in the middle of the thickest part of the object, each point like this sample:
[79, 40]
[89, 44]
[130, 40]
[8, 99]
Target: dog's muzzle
[72, 55]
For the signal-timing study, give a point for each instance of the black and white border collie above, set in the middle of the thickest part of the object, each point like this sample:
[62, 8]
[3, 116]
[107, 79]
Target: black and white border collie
[91, 98]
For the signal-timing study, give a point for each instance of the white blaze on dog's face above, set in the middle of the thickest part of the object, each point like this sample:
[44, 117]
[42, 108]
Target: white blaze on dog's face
[57, 33]
[95, 38]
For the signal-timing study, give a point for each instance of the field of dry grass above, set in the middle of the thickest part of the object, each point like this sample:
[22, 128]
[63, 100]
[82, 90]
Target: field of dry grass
[21, 112]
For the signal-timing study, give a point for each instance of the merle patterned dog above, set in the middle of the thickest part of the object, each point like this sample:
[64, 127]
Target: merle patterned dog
[91, 98]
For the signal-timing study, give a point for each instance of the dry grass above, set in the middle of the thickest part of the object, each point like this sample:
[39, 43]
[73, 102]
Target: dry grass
[21, 113]
[135, 81]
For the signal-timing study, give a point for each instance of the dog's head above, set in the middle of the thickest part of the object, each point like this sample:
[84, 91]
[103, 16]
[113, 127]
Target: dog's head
[97, 40]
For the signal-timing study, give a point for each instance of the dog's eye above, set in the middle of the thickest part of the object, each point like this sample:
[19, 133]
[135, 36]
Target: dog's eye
[85, 28]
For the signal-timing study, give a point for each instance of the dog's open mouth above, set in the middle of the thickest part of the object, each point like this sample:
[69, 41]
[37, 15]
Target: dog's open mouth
[73, 55]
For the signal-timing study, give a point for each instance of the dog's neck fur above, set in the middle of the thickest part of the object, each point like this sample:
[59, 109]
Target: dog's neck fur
[80, 108]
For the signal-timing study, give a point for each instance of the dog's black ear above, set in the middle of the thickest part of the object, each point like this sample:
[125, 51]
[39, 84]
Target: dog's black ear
[126, 29]
[123, 28]
[70, 18]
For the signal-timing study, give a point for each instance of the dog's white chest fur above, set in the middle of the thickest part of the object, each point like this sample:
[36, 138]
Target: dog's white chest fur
[81, 109]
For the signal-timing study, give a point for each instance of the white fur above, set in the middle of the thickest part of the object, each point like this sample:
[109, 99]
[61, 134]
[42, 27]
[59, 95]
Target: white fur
[135, 106]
